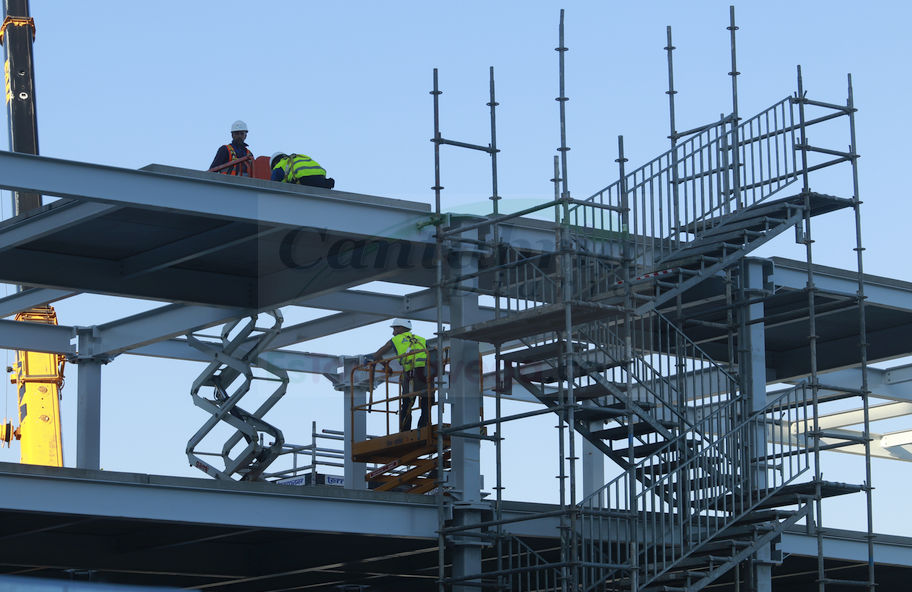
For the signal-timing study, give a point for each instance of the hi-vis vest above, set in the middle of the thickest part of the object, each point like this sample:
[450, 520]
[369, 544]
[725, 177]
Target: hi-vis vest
[241, 169]
[407, 342]
[298, 166]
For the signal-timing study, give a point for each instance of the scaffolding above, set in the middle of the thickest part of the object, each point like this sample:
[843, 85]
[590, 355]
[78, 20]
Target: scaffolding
[612, 331]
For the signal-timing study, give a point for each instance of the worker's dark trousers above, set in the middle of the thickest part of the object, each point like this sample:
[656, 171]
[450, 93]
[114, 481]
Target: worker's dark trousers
[317, 181]
[414, 383]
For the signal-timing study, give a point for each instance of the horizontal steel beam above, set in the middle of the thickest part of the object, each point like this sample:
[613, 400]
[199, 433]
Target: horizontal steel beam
[216, 196]
[176, 499]
[106, 494]
[20, 301]
[53, 219]
[160, 324]
[878, 290]
[52, 339]
[205, 243]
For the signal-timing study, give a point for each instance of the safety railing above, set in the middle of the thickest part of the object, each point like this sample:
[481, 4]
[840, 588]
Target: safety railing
[711, 174]
[521, 568]
[314, 455]
[389, 378]
[668, 376]
[524, 279]
[733, 470]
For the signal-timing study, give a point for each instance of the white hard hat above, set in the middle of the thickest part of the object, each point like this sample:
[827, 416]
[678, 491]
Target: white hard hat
[238, 126]
[402, 323]
[272, 158]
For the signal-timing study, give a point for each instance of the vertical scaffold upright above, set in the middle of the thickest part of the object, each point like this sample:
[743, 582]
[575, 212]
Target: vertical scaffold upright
[644, 331]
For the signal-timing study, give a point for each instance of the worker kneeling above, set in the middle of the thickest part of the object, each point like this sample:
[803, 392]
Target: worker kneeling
[300, 169]
[414, 379]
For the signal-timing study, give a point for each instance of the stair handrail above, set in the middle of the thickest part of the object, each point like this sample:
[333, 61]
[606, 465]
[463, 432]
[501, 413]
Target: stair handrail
[704, 358]
[701, 159]
[719, 509]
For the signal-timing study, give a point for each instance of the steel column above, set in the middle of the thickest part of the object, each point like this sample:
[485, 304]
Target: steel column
[593, 466]
[465, 398]
[355, 424]
[88, 402]
[754, 382]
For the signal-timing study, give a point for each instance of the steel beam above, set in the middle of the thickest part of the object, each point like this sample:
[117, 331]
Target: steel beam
[415, 306]
[879, 291]
[852, 417]
[217, 196]
[896, 439]
[52, 339]
[52, 219]
[850, 378]
[175, 499]
[891, 342]
[30, 298]
[205, 243]
[898, 374]
[101, 276]
[323, 327]
[159, 324]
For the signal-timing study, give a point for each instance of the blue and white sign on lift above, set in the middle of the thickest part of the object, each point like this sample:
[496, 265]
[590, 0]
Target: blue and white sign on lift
[334, 480]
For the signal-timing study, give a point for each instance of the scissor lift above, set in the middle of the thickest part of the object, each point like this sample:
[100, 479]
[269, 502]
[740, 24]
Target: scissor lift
[230, 376]
[405, 461]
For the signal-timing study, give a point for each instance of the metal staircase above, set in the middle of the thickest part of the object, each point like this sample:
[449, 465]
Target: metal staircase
[712, 469]
[594, 332]
[236, 366]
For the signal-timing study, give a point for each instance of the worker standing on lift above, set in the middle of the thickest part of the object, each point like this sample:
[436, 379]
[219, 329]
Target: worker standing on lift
[236, 150]
[300, 169]
[413, 381]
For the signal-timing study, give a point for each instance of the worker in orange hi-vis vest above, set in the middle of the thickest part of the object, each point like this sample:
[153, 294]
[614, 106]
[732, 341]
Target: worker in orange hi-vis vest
[236, 150]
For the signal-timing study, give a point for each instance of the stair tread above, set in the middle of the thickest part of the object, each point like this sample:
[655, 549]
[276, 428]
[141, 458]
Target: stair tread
[595, 390]
[640, 428]
[721, 237]
[709, 234]
[534, 321]
[538, 353]
[756, 223]
[820, 204]
[792, 494]
[651, 448]
[551, 374]
[692, 561]
[598, 413]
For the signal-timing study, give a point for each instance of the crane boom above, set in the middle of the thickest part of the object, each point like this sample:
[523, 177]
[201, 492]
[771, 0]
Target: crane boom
[17, 32]
[39, 376]
[39, 379]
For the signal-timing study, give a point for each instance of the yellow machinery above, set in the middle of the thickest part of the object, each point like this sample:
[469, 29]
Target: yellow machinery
[39, 379]
[38, 376]
[405, 460]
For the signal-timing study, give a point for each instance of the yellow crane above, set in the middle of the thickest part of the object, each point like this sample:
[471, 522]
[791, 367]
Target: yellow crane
[38, 376]
[39, 380]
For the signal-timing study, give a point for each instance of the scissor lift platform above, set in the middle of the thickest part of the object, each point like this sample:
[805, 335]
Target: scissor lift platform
[408, 459]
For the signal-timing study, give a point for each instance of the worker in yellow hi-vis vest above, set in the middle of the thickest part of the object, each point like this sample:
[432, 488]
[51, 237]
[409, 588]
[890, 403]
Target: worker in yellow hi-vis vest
[300, 169]
[414, 378]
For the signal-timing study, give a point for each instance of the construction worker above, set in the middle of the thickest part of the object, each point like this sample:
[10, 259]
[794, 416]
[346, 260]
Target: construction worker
[300, 169]
[413, 381]
[235, 150]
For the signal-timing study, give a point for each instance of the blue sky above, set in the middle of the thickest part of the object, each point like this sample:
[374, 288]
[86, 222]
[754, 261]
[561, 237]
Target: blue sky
[132, 83]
